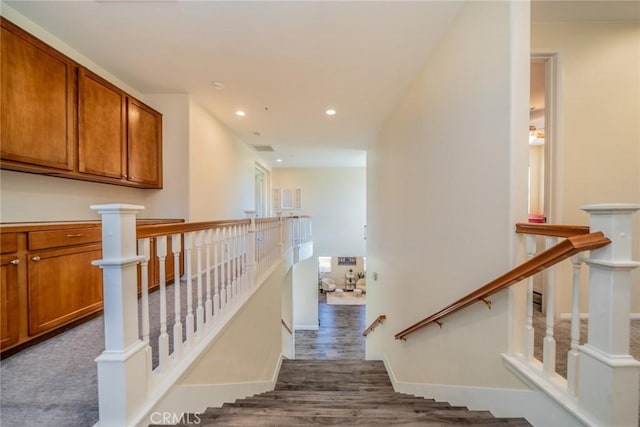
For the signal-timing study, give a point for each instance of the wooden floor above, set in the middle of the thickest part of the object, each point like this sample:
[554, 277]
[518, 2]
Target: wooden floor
[339, 335]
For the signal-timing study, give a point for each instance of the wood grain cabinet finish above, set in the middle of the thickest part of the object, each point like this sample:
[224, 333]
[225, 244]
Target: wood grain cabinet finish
[38, 104]
[101, 127]
[59, 118]
[9, 300]
[47, 280]
[63, 286]
[144, 138]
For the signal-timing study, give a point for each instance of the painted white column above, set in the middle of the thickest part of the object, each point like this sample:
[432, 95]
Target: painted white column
[609, 376]
[122, 366]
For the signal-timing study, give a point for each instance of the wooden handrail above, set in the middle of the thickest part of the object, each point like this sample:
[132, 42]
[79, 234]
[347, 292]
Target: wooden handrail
[286, 326]
[166, 229]
[541, 261]
[373, 325]
[557, 230]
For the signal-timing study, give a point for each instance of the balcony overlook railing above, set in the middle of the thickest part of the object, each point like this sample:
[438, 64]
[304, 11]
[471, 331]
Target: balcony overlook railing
[205, 271]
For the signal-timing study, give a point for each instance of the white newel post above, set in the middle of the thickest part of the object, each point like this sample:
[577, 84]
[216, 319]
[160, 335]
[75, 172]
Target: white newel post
[251, 249]
[122, 366]
[609, 376]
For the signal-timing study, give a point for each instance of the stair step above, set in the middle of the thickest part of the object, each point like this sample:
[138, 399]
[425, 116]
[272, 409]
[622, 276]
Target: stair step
[350, 400]
[343, 393]
[384, 412]
[396, 420]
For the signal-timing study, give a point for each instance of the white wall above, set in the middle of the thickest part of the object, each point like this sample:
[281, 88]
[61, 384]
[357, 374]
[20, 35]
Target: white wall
[599, 148]
[305, 295]
[335, 198]
[221, 172]
[172, 201]
[441, 183]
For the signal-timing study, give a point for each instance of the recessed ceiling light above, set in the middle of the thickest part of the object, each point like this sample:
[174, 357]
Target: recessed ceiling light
[217, 85]
[279, 160]
[331, 112]
[240, 113]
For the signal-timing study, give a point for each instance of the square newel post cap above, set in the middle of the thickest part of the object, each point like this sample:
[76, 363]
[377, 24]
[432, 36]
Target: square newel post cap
[250, 214]
[616, 222]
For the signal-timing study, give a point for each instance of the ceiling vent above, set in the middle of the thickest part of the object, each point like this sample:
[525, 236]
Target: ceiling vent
[263, 148]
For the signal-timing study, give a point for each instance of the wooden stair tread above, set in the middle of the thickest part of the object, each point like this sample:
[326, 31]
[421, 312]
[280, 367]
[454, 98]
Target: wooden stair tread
[343, 393]
[398, 420]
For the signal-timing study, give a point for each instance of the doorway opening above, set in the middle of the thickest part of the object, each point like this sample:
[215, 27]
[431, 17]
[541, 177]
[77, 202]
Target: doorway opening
[543, 138]
[262, 184]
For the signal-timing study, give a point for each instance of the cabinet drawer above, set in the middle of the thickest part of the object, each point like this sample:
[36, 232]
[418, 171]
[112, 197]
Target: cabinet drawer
[69, 237]
[8, 243]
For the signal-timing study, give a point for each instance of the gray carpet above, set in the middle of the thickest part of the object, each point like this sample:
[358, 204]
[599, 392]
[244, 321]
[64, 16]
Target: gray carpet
[54, 383]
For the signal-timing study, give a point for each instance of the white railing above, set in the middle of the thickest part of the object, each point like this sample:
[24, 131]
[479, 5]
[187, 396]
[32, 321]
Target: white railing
[602, 378]
[151, 341]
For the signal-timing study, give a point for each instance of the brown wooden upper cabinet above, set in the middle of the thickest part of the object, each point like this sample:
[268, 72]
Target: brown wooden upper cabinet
[101, 127]
[48, 99]
[144, 142]
[38, 103]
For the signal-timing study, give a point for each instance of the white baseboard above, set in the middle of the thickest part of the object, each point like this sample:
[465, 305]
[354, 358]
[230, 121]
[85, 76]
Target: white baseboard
[196, 398]
[533, 405]
[305, 327]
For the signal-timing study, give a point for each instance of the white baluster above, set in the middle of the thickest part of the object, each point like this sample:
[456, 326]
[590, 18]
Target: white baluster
[251, 253]
[245, 277]
[189, 322]
[208, 303]
[227, 273]
[549, 343]
[144, 249]
[529, 331]
[573, 353]
[234, 261]
[163, 339]
[176, 248]
[217, 303]
[200, 306]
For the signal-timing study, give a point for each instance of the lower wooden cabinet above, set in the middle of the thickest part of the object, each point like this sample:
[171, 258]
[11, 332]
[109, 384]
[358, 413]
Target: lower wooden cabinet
[47, 280]
[62, 286]
[9, 300]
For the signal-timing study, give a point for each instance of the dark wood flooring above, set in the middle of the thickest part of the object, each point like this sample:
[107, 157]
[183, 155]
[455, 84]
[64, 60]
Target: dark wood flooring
[339, 335]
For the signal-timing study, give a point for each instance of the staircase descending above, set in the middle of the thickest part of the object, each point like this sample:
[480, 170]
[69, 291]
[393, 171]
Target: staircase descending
[342, 392]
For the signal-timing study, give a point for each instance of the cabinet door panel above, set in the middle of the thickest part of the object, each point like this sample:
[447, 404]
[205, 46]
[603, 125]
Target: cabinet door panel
[9, 304]
[37, 97]
[144, 144]
[62, 286]
[101, 126]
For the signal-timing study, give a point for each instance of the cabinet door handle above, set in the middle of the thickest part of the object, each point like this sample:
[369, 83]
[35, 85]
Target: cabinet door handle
[36, 258]
[74, 235]
[15, 262]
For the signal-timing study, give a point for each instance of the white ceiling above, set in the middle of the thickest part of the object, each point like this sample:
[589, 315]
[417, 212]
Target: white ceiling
[284, 63]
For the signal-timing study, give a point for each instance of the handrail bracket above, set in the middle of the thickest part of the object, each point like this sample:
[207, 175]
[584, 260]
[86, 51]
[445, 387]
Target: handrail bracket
[487, 302]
